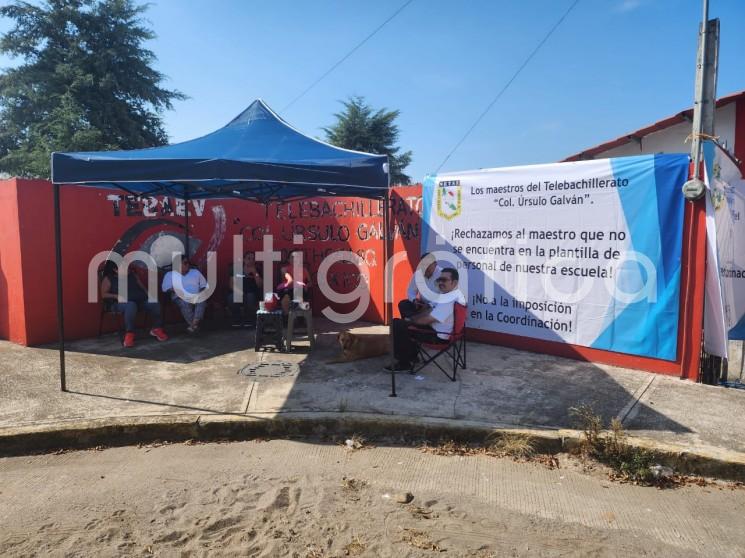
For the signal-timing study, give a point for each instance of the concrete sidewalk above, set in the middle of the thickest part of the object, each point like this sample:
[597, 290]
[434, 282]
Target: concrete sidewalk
[197, 379]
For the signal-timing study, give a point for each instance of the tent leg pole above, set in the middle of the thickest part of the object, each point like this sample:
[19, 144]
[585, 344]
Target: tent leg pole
[387, 285]
[186, 219]
[388, 288]
[60, 309]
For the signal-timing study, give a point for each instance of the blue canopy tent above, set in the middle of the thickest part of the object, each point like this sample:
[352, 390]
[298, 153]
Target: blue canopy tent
[257, 157]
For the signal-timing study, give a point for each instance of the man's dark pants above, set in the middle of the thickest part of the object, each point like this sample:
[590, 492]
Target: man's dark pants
[243, 312]
[404, 348]
[407, 308]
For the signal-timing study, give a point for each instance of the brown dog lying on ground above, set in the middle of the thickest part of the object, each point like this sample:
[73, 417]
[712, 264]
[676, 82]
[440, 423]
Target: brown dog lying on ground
[356, 346]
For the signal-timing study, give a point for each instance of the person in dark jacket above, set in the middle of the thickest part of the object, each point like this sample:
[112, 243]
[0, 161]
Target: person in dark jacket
[250, 281]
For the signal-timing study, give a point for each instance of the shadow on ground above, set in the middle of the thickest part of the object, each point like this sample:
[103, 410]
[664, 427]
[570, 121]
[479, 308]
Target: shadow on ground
[501, 386]
[181, 347]
[200, 375]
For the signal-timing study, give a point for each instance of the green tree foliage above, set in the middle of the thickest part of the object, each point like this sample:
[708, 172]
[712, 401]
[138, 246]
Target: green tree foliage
[361, 128]
[84, 82]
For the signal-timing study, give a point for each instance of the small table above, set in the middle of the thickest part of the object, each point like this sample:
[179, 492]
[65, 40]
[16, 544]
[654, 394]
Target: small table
[269, 329]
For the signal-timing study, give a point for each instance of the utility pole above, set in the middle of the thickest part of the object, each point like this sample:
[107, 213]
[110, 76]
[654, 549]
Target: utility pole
[694, 189]
[707, 61]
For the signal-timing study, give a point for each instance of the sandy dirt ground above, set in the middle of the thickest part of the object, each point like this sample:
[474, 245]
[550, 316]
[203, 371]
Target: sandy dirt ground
[292, 498]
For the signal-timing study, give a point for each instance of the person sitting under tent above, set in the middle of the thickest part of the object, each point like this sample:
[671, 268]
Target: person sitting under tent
[250, 279]
[434, 323]
[286, 289]
[185, 287]
[135, 299]
[426, 274]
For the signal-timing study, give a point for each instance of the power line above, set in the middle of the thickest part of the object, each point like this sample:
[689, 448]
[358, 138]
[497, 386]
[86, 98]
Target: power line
[348, 54]
[507, 85]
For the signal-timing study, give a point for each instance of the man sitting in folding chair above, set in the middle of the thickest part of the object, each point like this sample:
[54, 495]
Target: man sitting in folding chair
[431, 328]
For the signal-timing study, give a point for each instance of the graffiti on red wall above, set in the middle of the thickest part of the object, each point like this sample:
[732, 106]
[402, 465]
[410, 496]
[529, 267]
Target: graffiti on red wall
[157, 225]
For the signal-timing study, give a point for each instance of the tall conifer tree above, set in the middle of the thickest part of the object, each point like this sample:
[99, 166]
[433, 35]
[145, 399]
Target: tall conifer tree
[84, 82]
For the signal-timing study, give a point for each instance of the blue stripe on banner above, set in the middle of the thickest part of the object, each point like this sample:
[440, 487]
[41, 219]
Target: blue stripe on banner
[737, 332]
[671, 172]
[428, 193]
[709, 155]
[653, 208]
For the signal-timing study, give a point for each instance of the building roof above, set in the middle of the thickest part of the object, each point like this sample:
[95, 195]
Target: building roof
[683, 116]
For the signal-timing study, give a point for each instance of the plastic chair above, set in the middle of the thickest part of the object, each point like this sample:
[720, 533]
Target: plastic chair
[293, 315]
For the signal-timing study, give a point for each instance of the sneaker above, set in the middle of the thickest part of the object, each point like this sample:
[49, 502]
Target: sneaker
[129, 340]
[159, 334]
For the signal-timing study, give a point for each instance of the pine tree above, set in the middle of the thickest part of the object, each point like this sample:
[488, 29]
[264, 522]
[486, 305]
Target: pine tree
[361, 128]
[85, 82]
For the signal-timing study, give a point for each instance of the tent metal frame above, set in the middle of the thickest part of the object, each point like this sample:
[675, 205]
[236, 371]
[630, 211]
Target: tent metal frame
[164, 189]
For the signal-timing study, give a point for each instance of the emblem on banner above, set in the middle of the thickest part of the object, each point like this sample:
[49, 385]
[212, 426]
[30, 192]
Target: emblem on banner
[449, 199]
[718, 197]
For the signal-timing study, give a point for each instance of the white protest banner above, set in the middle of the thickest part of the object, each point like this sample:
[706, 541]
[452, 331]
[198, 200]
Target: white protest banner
[586, 253]
[725, 264]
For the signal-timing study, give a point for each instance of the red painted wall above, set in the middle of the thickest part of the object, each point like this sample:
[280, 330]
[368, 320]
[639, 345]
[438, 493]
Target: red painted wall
[95, 220]
[12, 316]
[36, 227]
[406, 209]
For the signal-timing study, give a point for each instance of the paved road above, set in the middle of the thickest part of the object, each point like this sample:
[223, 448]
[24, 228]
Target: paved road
[285, 498]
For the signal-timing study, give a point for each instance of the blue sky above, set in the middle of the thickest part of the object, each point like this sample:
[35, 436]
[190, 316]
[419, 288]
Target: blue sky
[613, 66]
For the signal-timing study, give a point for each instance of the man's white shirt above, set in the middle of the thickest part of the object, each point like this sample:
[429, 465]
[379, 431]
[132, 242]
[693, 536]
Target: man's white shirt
[443, 312]
[191, 284]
